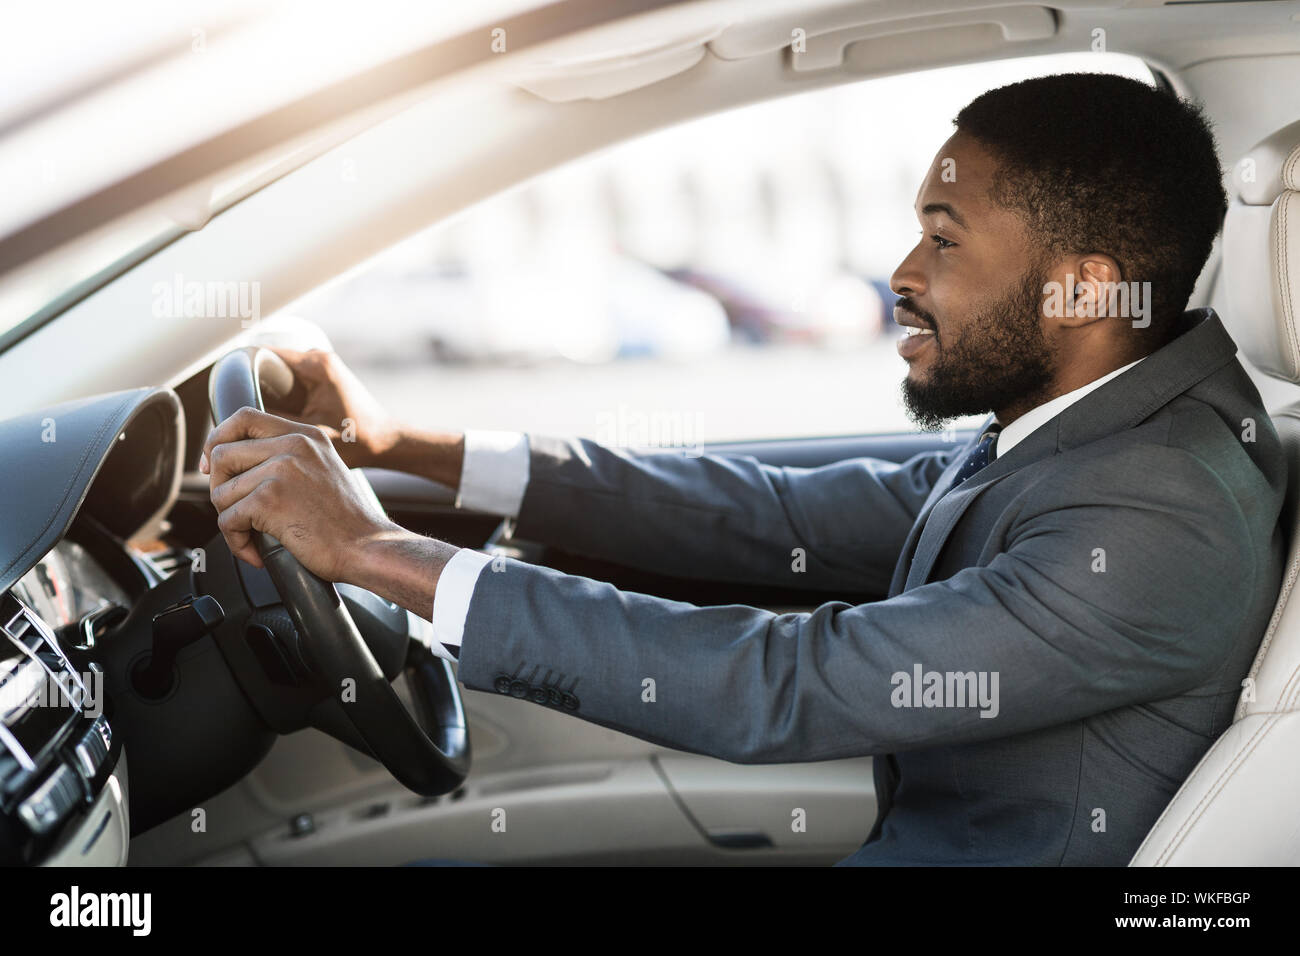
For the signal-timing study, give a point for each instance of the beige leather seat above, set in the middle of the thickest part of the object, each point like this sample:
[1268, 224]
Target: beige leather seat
[1241, 805]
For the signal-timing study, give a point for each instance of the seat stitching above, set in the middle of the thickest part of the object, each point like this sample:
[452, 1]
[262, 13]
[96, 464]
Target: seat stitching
[1212, 793]
[1247, 748]
[1284, 597]
[1216, 789]
[1274, 625]
[1288, 317]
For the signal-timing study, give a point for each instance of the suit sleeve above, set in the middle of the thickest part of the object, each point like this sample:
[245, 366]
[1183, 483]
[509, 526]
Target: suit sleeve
[727, 518]
[1106, 593]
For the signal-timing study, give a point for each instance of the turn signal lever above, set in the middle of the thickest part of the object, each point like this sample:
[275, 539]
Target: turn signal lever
[174, 628]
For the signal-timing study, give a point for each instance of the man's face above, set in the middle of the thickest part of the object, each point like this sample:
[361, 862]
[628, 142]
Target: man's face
[974, 285]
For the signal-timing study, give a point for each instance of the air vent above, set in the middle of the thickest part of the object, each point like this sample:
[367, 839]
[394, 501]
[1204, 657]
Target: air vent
[29, 632]
[40, 693]
[170, 561]
[53, 757]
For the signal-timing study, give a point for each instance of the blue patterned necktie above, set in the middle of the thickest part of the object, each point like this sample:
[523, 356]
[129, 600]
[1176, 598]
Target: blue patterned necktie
[979, 456]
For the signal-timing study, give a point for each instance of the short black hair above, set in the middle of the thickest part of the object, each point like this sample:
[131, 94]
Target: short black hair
[1100, 163]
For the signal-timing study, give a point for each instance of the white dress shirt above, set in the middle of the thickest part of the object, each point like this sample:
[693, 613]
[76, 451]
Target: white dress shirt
[494, 476]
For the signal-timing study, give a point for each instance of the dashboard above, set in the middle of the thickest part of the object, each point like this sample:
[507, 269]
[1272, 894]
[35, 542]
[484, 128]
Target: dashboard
[66, 578]
[183, 659]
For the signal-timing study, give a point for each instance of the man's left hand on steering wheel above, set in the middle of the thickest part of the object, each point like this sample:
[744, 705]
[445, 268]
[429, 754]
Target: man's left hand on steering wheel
[286, 479]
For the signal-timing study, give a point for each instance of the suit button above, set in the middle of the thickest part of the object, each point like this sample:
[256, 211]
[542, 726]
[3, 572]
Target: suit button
[570, 702]
[519, 688]
[502, 684]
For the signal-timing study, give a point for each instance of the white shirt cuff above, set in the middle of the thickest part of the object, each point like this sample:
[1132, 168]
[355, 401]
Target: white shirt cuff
[494, 474]
[451, 599]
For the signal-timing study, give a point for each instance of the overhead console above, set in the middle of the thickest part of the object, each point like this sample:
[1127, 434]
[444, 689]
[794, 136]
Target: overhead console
[849, 34]
[873, 38]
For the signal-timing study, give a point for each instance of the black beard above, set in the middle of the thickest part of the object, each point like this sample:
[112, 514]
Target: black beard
[1000, 358]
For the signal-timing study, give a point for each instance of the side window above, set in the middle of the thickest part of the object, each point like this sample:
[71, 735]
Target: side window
[725, 279]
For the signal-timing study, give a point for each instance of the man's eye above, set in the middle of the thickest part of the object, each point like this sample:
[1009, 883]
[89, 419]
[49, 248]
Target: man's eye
[942, 242]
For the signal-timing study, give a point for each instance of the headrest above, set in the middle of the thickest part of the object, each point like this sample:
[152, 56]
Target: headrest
[1272, 166]
[1261, 254]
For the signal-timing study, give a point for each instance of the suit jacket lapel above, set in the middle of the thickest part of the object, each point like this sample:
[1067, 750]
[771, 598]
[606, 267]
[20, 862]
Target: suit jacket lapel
[947, 509]
[914, 534]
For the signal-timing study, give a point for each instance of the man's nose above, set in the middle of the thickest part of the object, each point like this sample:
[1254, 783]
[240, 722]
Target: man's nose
[908, 280]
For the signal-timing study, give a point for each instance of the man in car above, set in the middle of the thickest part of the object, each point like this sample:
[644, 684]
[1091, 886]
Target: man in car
[1072, 598]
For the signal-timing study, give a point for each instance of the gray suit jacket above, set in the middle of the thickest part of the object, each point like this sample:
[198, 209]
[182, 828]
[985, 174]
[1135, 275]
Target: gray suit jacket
[1110, 578]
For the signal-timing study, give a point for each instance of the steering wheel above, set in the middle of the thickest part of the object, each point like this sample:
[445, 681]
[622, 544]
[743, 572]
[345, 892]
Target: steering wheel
[431, 762]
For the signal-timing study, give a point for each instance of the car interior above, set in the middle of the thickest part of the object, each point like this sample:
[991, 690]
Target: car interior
[218, 742]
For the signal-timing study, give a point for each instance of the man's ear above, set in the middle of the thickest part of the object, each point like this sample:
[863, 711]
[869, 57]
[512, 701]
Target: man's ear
[1079, 291]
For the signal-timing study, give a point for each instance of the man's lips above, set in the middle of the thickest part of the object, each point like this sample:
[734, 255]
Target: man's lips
[918, 335]
[914, 342]
[910, 320]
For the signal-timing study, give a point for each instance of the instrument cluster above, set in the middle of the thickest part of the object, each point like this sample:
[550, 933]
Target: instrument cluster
[67, 584]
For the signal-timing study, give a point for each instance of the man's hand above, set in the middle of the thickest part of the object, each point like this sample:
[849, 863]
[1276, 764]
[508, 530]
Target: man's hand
[363, 433]
[286, 479]
[361, 430]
